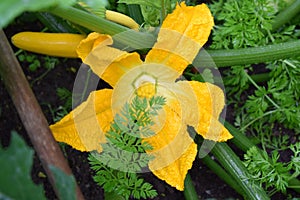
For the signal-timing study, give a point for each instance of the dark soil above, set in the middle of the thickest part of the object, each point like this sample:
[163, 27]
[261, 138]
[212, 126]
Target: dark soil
[207, 184]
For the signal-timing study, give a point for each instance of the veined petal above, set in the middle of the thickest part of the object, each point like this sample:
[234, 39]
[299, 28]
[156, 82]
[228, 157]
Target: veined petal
[210, 103]
[173, 149]
[181, 36]
[85, 126]
[110, 63]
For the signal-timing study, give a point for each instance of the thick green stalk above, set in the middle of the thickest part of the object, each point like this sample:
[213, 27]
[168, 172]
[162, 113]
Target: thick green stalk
[239, 139]
[225, 58]
[135, 13]
[219, 58]
[286, 15]
[55, 24]
[243, 143]
[233, 165]
[219, 171]
[189, 189]
[122, 34]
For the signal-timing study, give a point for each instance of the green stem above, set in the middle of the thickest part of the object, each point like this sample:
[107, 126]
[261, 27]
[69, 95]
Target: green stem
[243, 143]
[259, 88]
[286, 15]
[219, 171]
[219, 58]
[259, 78]
[232, 164]
[40, 77]
[225, 58]
[258, 118]
[135, 13]
[189, 189]
[239, 139]
[55, 24]
[121, 33]
[162, 11]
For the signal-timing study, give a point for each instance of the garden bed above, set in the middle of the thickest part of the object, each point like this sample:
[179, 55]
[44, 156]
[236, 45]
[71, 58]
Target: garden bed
[45, 81]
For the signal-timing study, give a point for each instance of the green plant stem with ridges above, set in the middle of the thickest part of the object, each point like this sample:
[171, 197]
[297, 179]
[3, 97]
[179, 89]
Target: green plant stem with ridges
[253, 55]
[239, 139]
[234, 170]
[286, 15]
[233, 165]
[55, 24]
[122, 34]
[243, 143]
[135, 13]
[189, 189]
[219, 58]
[219, 171]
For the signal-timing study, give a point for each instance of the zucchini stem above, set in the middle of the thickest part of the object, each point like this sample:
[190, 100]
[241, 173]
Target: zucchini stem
[128, 37]
[253, 55]
[286, 15]
[189, 189]
[243, 143]
[233, 165]
[218, 170]
[135, 13]
[219, 58]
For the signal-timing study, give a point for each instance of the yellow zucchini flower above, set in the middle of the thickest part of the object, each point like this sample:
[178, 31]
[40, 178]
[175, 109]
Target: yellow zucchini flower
[188, 103]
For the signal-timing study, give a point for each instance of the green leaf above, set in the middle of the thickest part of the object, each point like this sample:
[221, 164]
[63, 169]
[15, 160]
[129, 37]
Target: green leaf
[64, 183]
[9, 9]
[15, 180]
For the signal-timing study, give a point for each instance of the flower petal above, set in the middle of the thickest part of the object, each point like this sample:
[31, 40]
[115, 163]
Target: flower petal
[84, 127]
[90, 42]
[107, 62]
[173, 149]
[181, 36]
[210, 103]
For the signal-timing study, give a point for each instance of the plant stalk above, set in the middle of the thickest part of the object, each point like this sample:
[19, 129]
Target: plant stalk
[210, 58]
[219, 171]
[121, 33]
[243, 143]
[135, 13]
[253, 55]
[286, 15]
[232, 164]
[189, 189]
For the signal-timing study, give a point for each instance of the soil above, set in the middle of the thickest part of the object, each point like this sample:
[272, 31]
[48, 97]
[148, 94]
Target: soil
[207, 184]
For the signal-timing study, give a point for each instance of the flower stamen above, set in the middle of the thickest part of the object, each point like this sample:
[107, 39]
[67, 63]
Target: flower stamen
[146, 90]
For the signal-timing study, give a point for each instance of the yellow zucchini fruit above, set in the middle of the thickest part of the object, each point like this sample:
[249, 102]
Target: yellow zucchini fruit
[51, 44]
[121, 19]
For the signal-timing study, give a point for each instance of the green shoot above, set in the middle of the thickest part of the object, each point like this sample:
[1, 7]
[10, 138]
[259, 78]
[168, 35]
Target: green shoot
[124, 154]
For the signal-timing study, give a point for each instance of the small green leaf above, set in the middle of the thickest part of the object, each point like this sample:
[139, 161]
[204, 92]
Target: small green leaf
[9, 9]
[15, 180]
[64, 183]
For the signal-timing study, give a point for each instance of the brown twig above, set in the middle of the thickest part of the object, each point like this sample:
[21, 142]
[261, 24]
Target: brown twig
[31, 114]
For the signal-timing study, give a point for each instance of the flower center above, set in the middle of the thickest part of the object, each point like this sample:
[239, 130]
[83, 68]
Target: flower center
[146, 90]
